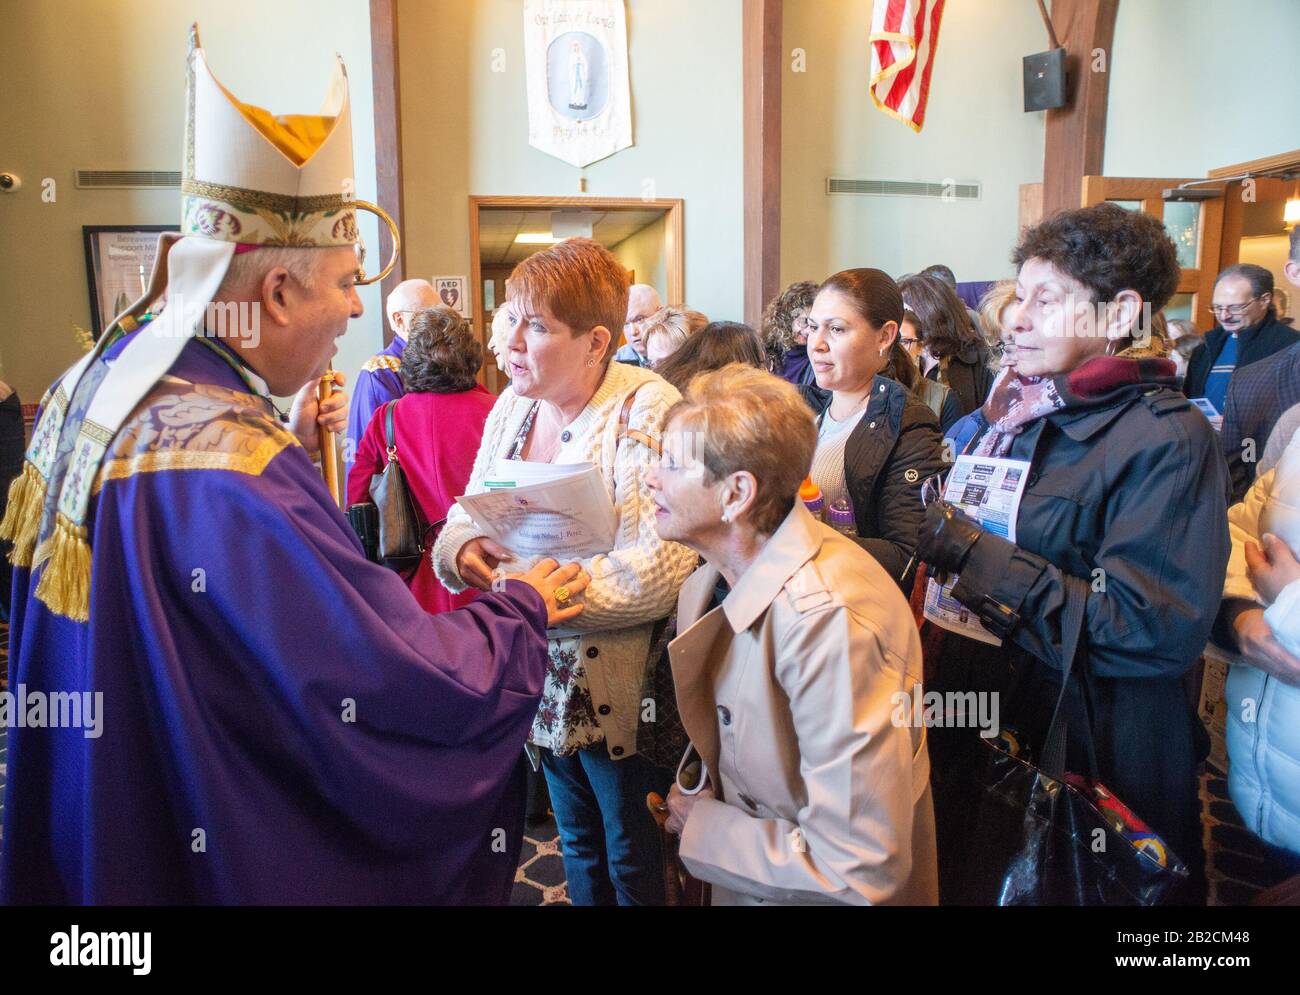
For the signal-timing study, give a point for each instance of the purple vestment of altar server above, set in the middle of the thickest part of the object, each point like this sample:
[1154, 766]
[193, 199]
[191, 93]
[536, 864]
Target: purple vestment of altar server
[377, 384]
[281, 722]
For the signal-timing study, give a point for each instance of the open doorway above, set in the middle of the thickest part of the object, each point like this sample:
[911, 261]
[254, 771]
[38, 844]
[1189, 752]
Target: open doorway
[645, 235]
[1237, 213]
[1258, 232]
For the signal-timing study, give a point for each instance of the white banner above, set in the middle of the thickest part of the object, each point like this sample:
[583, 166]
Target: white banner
[579, 108]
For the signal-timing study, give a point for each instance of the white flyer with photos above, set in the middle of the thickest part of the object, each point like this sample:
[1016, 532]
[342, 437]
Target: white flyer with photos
[989, 490]
[539, 509]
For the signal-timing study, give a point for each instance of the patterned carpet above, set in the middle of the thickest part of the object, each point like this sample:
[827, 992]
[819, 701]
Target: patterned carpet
[540, 878]
[1237, 866]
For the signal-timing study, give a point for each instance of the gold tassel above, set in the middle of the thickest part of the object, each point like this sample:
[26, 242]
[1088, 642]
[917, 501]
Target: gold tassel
[64, 586]
[23, 514]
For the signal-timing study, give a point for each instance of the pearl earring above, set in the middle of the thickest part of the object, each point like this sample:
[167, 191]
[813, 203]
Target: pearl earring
[725, 518]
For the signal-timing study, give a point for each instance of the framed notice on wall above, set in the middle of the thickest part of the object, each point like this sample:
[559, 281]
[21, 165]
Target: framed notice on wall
[119, 260]
[451, 291]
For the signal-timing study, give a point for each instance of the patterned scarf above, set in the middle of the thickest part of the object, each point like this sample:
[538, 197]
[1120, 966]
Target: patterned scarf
[1016, 401]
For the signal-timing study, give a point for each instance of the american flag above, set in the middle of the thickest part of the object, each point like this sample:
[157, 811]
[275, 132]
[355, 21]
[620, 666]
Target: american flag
[904, 35]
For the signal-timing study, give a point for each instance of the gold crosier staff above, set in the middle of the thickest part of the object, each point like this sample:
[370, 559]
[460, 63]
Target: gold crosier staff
[329, 445]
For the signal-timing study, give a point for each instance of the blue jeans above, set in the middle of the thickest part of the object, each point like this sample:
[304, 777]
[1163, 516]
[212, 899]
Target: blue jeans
[611, 846]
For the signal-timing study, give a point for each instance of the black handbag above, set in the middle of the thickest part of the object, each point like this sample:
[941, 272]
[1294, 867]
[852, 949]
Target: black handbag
[364, 519]
[1041, 836]
[399, 532]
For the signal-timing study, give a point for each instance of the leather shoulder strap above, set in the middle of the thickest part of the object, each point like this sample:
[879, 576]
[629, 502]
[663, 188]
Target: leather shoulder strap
[626, 432]
[390, 440]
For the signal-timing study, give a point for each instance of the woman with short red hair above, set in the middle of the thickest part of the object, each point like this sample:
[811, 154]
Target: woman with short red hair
[567, 403]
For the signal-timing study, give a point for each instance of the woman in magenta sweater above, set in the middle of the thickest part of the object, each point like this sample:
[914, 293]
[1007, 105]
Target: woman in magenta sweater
[437, 427]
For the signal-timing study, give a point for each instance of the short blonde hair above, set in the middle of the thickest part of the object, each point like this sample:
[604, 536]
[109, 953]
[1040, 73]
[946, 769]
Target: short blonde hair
[676, 324]
[748, 419]
[577, 280]
[993, 305]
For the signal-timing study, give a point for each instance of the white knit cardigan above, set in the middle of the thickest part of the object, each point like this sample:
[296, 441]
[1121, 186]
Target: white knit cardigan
[632, 586]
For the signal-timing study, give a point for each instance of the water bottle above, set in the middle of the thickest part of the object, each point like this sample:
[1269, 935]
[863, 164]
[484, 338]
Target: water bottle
[841, 517]
[811, 495]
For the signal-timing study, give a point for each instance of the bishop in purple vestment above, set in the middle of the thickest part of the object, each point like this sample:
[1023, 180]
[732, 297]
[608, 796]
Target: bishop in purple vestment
[275, 719]
[281, 722]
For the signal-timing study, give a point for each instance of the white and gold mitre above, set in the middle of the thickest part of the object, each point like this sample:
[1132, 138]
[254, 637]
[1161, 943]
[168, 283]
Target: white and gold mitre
[251, 179]
[255, 178]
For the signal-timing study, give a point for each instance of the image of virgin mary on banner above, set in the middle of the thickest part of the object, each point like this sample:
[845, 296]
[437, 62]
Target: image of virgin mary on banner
[579, 108]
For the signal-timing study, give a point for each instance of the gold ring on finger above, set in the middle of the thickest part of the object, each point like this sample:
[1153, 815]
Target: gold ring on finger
[561, 594]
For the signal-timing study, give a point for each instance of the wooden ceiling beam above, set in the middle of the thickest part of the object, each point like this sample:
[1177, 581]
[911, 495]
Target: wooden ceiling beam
[762, 66]
[388, 141]
[1075, 141]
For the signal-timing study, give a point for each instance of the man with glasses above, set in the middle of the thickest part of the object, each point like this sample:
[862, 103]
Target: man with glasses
[1261, 407]
[379, 380]
[1247, 331]
[642, 302]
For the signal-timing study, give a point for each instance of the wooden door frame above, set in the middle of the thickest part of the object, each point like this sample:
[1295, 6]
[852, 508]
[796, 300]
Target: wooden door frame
[674, 250]
[1196, 280]
[1233, 210]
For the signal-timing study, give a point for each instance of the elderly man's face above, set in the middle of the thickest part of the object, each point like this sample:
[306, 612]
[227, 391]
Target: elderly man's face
[418, 300]
[300, 325]
[640, 306]
[1236, 306]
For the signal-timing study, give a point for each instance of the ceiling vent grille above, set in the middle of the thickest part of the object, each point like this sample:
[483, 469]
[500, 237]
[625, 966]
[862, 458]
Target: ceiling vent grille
[903, 188]
[128, 179]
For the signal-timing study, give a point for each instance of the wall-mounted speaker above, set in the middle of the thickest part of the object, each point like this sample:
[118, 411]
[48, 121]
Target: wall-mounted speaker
[1045, 80]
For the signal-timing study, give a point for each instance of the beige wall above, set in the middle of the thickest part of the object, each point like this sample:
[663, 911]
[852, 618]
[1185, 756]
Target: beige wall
[101, 84]
[644, 254]
[1198, 85]
[975, 129]
[465, 130]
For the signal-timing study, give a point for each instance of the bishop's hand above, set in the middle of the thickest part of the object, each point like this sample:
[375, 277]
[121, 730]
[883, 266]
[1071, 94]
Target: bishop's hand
[308, 416]
[557, 585]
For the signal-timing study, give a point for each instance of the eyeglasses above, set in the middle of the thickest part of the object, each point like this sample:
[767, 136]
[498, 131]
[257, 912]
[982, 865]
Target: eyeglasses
[908, 343]
[1233, 310]
[932, 488]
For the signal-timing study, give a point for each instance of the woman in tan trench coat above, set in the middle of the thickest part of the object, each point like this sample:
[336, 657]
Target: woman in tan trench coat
[796, 658]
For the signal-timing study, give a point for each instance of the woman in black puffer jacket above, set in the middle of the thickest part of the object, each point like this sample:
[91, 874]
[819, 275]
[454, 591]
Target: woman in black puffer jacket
[877, 441]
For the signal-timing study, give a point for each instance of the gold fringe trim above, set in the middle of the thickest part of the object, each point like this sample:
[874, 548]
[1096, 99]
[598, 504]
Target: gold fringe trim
[23, 514]
[64, 586]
